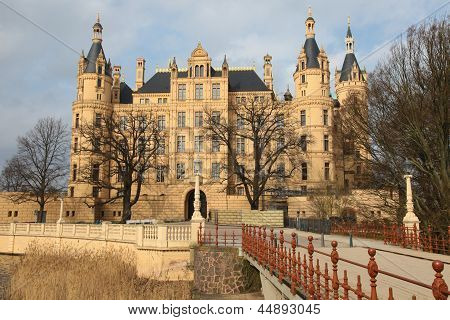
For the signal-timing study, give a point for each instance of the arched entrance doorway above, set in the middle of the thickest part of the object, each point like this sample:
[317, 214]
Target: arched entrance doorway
[189, 204]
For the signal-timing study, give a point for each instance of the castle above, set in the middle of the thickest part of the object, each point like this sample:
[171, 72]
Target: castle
[178, 96]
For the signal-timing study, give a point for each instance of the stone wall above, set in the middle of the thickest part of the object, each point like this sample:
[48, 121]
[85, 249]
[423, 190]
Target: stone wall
[222, 271]
[273, 218]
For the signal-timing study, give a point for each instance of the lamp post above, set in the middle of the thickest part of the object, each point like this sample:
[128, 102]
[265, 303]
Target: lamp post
[61, 208]
[410, 218]
[197, 215]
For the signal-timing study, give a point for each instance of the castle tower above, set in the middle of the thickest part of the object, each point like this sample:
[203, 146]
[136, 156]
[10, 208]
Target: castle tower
[94, 99]
[351, 79]
[312, 75]
[268, 78]
[140, 72]
[313, 107]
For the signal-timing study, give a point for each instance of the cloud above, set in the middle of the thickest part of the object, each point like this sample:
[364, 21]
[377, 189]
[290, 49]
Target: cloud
[39, 74]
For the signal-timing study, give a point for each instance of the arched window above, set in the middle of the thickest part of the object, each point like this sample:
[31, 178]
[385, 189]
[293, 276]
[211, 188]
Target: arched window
[202, 69]
[197, 71]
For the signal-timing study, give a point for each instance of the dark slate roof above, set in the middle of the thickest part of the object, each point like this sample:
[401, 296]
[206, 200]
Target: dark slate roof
[349, 32]
[92, 56]
[246, 80]
[238, 81]
[312, 52]
[126, 94]
[349, 60]
[159, 83]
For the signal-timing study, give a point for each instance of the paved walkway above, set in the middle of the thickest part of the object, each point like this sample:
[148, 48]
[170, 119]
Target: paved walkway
[408, 263]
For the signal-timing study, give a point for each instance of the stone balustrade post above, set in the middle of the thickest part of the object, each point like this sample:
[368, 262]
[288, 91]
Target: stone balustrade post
[140, 235]
[88, 230]
[121, 231]
[162, 236]
[58, 230]
[196, 228]
[28, 228]
[12, 228]
[105, 231]
[42, 229]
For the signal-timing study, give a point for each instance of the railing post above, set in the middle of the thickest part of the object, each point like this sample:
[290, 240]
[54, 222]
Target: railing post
[258, 246]
[264, 248]
[217, 235]
[334, 261]
[294, 262]
[280, 258]
[439, 287]
[311, 269]
[327, 286]
[359, 292]
[372, 269]
[271, 251]
[318, 273]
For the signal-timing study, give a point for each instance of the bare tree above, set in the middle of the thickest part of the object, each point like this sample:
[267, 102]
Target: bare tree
[407, 127]
[325, 202]
[38, 172]
[10, 178]
[274, 150]
[123, 146]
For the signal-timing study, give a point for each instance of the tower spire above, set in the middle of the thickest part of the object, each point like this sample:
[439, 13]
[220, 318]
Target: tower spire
[349, 41]
[97, 30]
[309, 24]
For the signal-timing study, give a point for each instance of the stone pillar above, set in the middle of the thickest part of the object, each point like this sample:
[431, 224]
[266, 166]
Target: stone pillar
[410, 218]
[197, 215]
[162, 236]
[61, 209]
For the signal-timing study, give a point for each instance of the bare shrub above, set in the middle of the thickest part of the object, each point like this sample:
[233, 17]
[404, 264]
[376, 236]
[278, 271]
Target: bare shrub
[71, 274]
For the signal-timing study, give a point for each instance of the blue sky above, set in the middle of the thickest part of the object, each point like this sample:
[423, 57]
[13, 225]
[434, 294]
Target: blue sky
[38, 77]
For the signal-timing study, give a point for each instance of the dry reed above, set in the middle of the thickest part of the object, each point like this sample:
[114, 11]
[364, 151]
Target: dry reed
[71, 274]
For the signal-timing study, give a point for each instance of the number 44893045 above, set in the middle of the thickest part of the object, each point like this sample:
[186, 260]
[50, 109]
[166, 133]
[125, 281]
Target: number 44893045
[291, 308]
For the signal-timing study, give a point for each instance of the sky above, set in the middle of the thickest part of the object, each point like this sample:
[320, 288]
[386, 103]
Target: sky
[38, 72]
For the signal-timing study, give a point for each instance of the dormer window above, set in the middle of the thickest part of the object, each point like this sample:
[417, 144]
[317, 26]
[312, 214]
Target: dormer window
[197, 71]
[99, 83]
[99, 70]
[303, 65]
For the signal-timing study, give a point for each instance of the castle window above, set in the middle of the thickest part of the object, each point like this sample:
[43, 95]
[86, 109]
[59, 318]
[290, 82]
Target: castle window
[75, 145]
[303, 143]
[74, 172]
[181, 171]
[303, 78]
[99, 70]
[198, 143]
[202, 69]
[98, 120]
[73, 213]
[215, 170]
[215, 117]
[280, 120]
[161, 147]
[99, 83]
[281, 170]
[239, 122]
[71, 192]
[280, 143]
[142, 101]
[198, 119]
[304, 171]
[77, 120]
[240, 145]
[9, 213]
[326, 173]
[215, 144]
[181, 119]
[16, 213]
[99, 96]
[323, 78]
[325, 142]
[96, 144]
[303, 65]
[67, 213]
[197, 71]
[216, 91]
[198, 167]
[303, 118]
[358, 170]
[161, 123]
[181, 92]
[160, 100]
[96, 172]
[116, 95]
[181, 144]
[164, 100]
[240, 191]
[160, 173]
[95, 192]
[199, 91]
[325, 117]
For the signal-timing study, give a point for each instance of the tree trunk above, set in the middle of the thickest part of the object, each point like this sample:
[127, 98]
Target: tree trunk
[254, 205]
[40, 213]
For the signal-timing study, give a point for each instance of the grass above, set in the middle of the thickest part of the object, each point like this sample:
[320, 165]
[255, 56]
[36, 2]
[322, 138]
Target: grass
[68, 274]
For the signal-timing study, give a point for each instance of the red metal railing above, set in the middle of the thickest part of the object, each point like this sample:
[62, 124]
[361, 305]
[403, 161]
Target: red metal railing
[281, 259]
[398, 235]
[217, 237]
